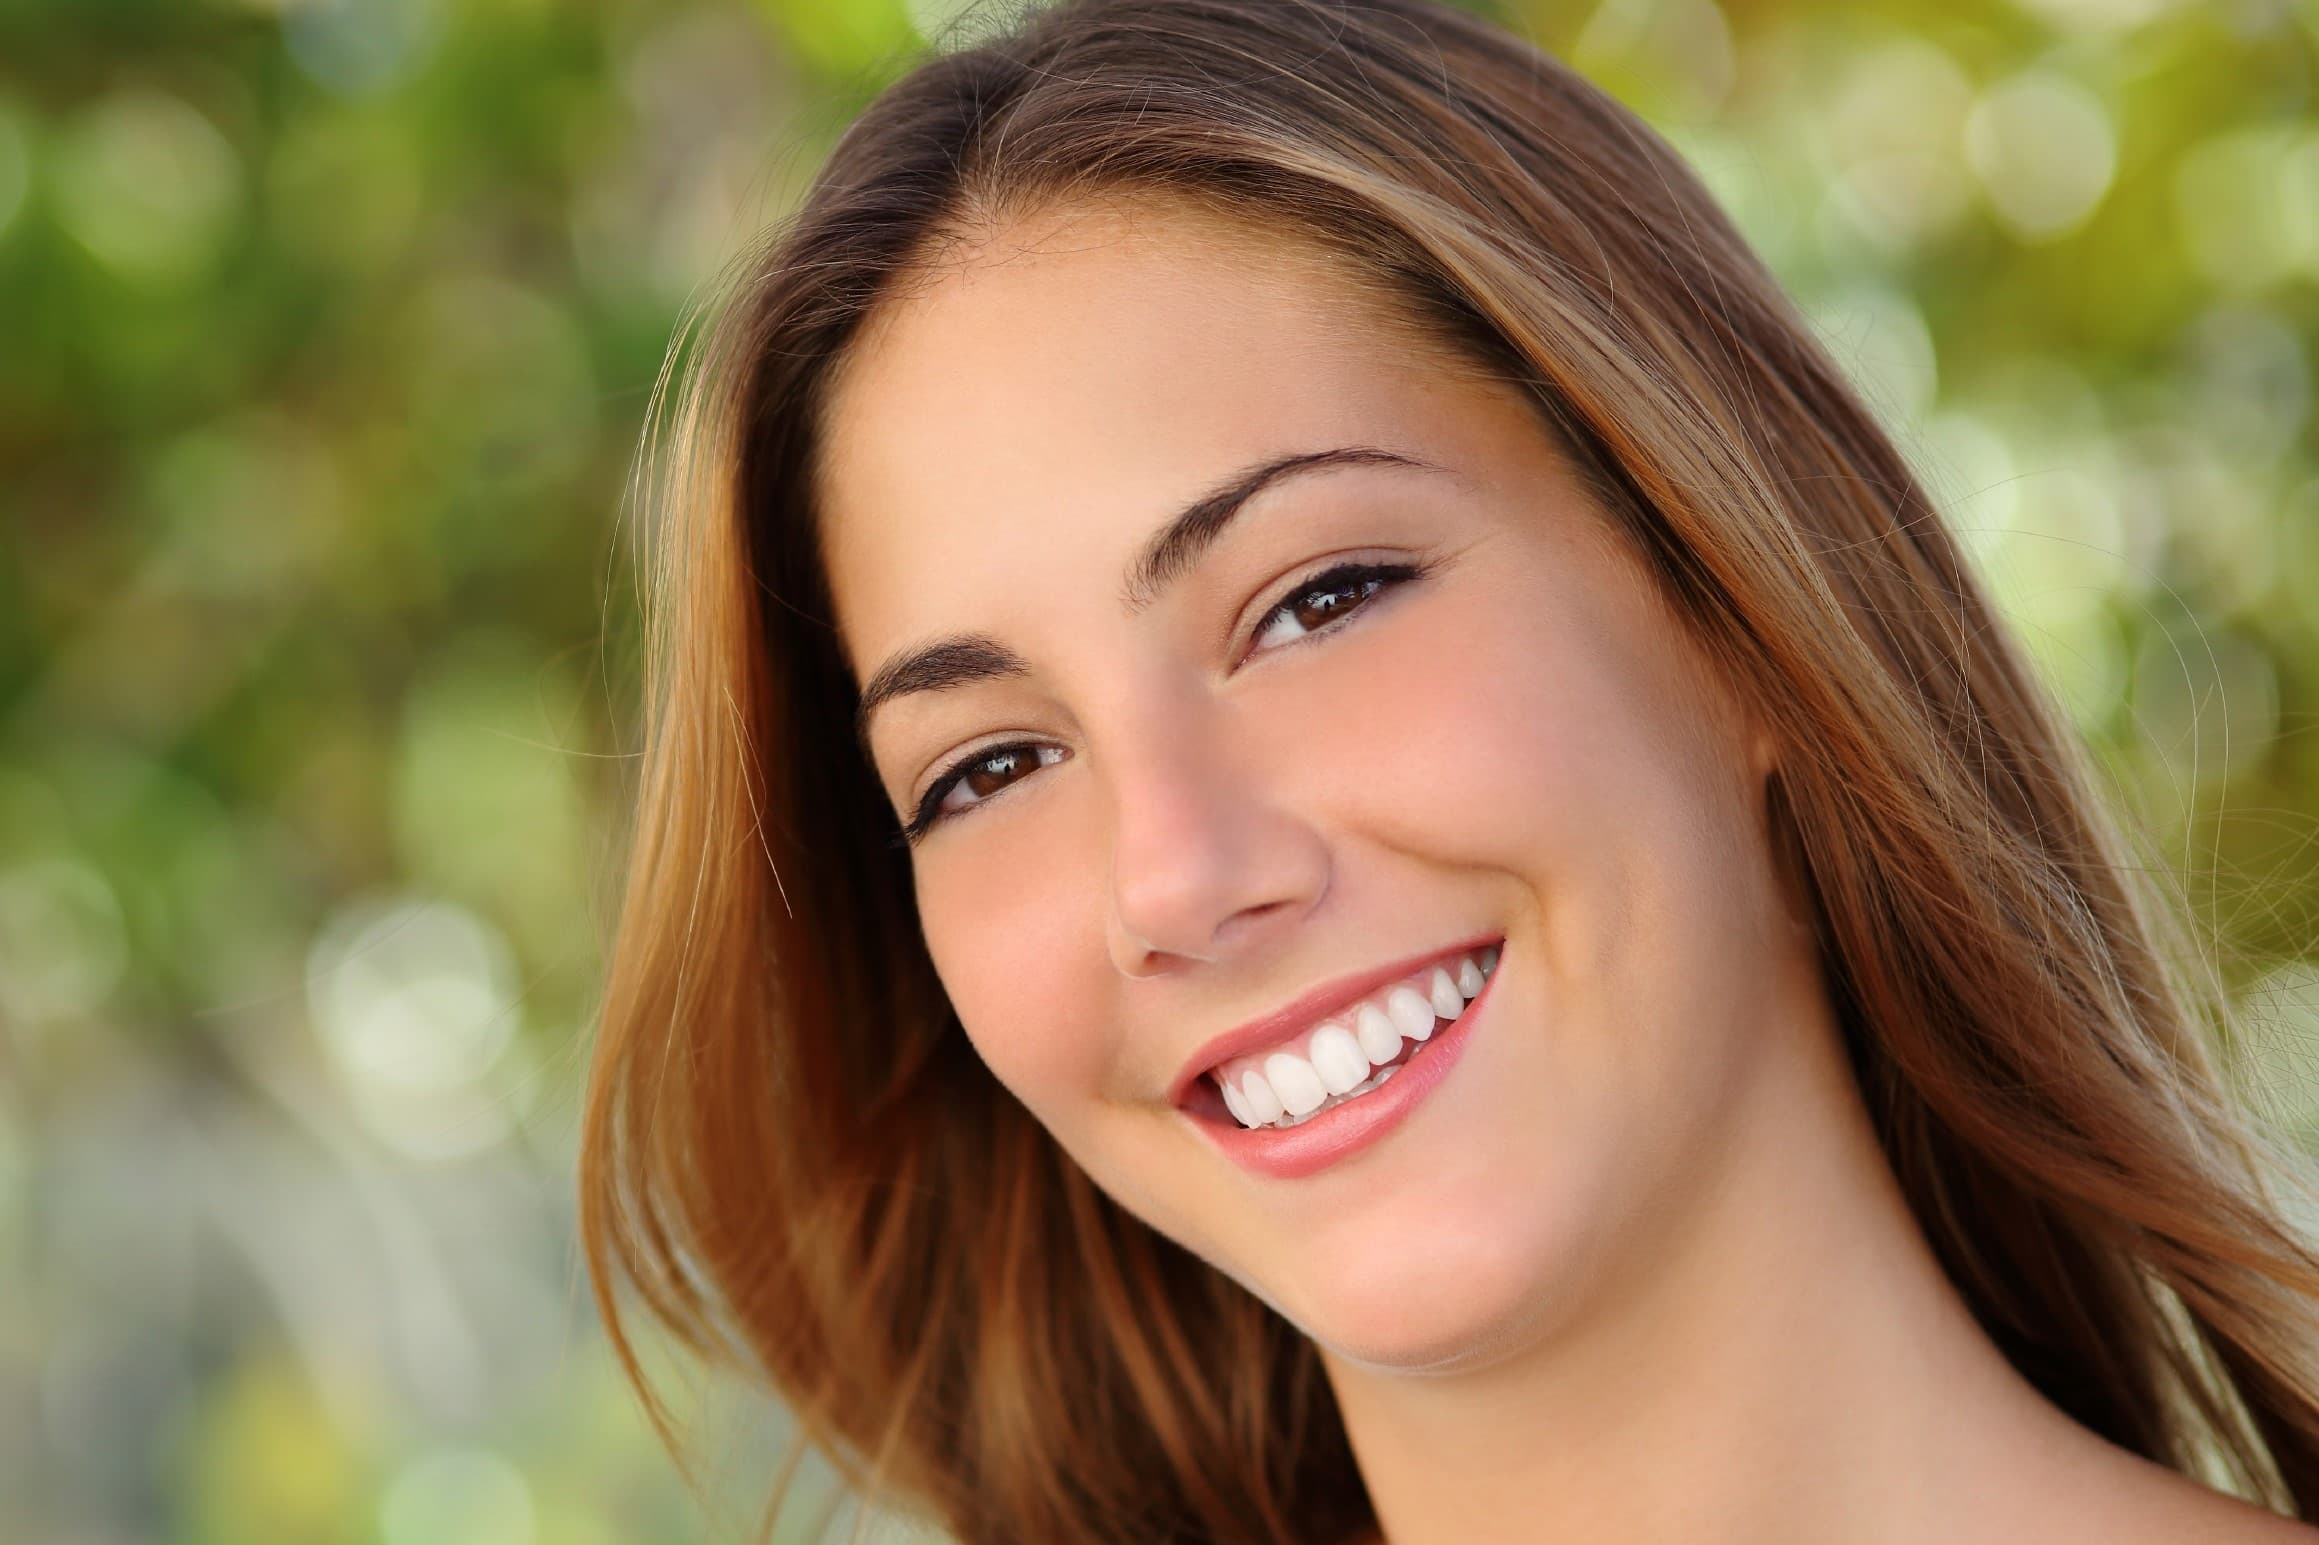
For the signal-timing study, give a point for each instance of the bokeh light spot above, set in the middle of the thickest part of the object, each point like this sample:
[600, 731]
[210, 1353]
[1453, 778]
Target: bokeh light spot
[359, 48]
[63, 944]
[1894, 122]
[415, 1001]
[148, 186]
[2246, 206]
[2044, 151]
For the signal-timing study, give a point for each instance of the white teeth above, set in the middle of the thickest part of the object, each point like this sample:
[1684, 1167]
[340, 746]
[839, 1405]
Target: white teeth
[1338, 1058]
[1341, 1061]
[1380, 1041]
[1411, 1014]
[1292, 1078]
[1377, 1080]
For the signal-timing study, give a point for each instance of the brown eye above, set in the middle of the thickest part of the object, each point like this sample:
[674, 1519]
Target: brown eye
[984, 773]
[1333, 594]
[1315, 606]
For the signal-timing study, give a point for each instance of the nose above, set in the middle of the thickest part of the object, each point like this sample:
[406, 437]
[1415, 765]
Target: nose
[1209, 856]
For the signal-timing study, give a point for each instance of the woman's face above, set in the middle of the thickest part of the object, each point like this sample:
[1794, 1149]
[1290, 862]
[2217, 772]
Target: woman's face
[1250, 785]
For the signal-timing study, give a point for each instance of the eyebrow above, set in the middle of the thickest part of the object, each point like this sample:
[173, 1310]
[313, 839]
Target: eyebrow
[958, 659]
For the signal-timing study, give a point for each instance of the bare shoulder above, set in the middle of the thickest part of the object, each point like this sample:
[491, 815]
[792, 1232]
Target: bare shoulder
[2160, 1506]
[2232, 1522]
[2219, 1520]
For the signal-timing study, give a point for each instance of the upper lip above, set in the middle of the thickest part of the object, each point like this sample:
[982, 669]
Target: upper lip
[1304, 1012]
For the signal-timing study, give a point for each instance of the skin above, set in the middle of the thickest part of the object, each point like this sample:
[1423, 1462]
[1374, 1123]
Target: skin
[1637, 1270]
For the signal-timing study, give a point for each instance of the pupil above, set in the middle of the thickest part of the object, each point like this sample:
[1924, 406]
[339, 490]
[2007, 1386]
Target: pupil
[1003, 760]
[1332, 598]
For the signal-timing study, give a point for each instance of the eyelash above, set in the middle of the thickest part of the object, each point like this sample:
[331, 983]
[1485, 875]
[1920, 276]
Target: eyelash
[1343, 576]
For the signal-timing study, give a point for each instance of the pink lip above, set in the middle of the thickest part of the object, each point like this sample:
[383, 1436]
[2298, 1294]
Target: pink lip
[1305, 1012]
[1344, 1130]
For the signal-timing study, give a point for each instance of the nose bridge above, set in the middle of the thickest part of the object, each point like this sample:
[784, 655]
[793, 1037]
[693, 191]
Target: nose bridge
[1201, 841]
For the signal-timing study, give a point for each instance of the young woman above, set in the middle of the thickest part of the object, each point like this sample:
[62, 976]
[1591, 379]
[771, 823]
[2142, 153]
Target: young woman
[1331, 851]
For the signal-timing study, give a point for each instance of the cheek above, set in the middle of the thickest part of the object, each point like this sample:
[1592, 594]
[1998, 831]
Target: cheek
[1548, 737]
[1484, 731]
[996, 920]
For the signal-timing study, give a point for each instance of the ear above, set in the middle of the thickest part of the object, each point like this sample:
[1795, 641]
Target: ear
[1763, 752]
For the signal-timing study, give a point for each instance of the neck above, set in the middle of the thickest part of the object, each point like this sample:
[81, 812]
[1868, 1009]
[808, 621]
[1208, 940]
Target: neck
[1782, 1361]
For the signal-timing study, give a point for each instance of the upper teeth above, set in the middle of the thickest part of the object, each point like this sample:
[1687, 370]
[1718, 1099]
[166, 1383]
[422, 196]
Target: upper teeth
[1343, 1057]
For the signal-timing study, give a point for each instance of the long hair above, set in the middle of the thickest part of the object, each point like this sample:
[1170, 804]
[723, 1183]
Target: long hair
[795, 1161]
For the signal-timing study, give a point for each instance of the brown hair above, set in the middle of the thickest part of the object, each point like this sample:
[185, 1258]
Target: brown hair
[792, 1153]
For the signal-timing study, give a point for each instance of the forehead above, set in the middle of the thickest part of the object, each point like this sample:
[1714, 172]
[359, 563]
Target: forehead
[1114, 295]
[1040, 396]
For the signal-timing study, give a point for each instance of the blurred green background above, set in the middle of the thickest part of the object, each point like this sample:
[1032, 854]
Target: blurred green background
[326, 332]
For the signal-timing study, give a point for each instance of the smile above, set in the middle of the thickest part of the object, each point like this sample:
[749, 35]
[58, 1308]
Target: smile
[1355, 1050]
[1343, 1109]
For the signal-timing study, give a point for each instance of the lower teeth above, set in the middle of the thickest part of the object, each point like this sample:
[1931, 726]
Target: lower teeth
[1375, 1080]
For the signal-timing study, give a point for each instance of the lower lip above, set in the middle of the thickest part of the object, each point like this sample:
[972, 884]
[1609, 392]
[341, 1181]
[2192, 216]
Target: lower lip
[1336, 1134]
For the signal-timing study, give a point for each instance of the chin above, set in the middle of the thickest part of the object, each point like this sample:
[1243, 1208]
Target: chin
[1438, 1290]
